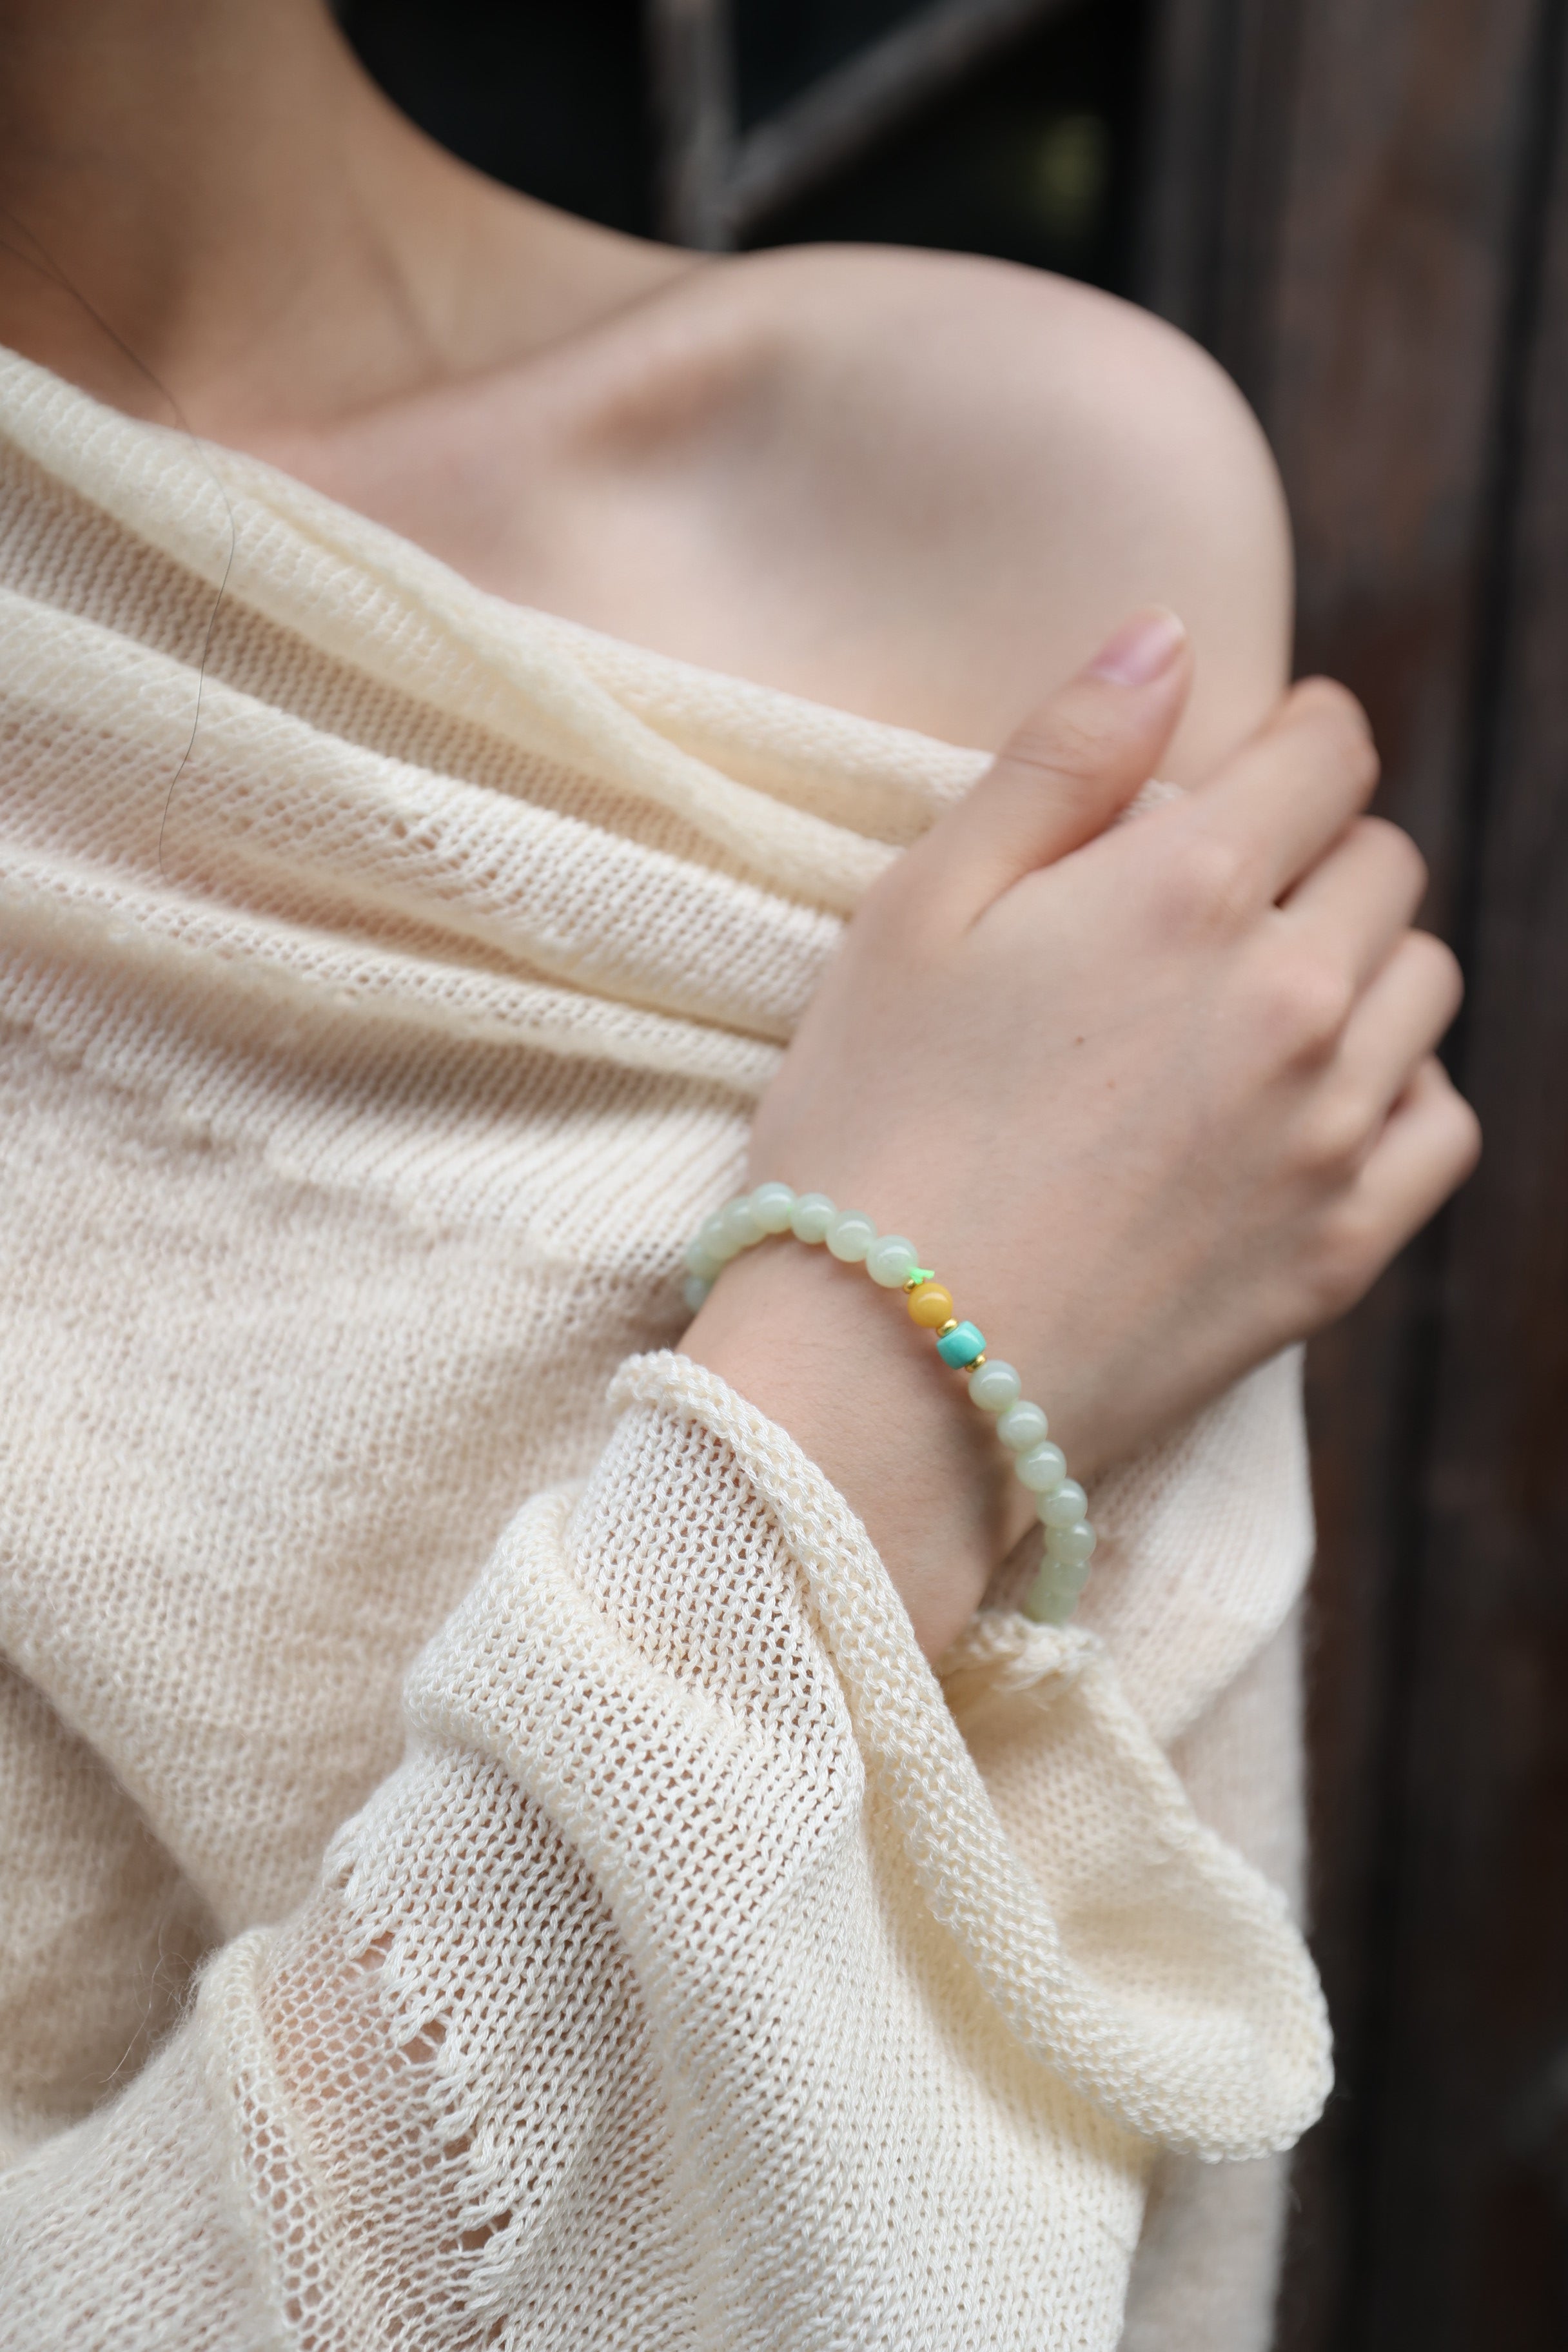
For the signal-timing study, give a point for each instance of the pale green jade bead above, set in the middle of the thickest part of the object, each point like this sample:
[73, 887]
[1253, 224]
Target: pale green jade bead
[850, 1235]
[695, 1291]
[771, 1206]
[812, 1215]
[1046, 1603]
[700, 1261]
[1043, 1468]
[1054, 1595]
[1072, 1547]
[890, 1261]
[995, 1387]
[1062, 1577]
[1022, 1426]
[1064, 1506]
[742, 1224]
[712, 1239]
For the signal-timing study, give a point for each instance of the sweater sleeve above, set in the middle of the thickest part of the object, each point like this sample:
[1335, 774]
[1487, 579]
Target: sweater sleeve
[1207, 2274]
[686, 1986]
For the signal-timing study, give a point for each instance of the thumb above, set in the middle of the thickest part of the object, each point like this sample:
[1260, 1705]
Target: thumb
[1071, 768]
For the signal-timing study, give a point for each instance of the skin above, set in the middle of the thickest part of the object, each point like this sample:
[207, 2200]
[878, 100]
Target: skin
[1193, 1051]
[917, 486]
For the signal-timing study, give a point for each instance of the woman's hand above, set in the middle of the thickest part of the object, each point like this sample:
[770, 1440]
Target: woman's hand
[1156, 1099]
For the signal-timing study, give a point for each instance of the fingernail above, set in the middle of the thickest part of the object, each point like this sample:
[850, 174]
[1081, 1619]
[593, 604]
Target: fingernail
[1141, 649]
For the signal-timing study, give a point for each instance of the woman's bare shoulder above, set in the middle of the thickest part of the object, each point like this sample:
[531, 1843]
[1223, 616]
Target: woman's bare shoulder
[976, 325]
[918, 485]
[882, 359]
[959, 472]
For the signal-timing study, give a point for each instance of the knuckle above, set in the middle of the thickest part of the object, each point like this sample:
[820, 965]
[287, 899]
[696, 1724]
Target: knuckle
[1468, 1137]
[1304, 1004]
[1456, 1130]
[1207, 879]
[1328, 698]
[1338, 727]
[1338, 1134]
[1446, 977]
[1405, 860]
[1341, 1266]
[1357, 753]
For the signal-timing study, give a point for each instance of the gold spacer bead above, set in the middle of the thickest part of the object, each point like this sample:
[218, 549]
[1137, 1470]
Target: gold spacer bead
[976, 1361]
[951, 1325]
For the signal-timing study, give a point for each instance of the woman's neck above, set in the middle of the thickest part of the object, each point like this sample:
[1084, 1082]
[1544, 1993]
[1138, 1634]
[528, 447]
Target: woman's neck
[220, 191]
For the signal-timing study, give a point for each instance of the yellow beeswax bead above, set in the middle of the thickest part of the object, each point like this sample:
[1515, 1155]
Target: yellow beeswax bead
[930, 1306]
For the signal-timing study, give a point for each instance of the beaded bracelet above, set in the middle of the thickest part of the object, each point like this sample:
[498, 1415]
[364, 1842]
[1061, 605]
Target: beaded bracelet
[894, 1264]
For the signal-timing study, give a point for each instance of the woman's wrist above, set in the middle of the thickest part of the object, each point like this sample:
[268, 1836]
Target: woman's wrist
[810, 1342]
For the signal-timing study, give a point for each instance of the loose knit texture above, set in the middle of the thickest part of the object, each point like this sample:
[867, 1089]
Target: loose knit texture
[484, 1860]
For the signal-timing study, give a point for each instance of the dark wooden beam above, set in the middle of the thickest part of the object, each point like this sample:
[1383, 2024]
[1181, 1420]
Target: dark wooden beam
[692, 70]
[882, 87]
[1195, 91]
[717, 184]
[1220, 122]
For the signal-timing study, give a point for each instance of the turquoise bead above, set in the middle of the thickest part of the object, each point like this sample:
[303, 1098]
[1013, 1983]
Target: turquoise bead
[961, 1346]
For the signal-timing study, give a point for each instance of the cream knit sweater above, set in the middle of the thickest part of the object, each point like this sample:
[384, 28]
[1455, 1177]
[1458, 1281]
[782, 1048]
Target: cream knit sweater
[483, 1860]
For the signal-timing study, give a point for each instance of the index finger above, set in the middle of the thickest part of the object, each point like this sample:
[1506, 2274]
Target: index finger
[1287, 797]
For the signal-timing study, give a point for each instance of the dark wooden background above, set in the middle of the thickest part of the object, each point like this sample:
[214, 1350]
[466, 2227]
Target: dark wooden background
[1361, 207]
